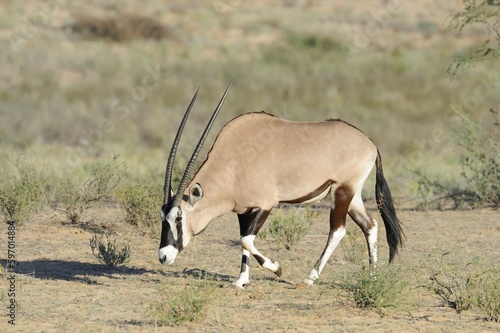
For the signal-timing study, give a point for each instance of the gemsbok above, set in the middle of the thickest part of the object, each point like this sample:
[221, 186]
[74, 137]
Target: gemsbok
[258, 161]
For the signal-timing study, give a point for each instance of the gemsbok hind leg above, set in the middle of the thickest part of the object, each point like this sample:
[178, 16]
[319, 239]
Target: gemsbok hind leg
[250, 224]
[338, 214]
[368, 225]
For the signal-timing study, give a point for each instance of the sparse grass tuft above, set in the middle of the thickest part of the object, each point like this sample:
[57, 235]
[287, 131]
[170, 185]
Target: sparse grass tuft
[190, 305]
[106, 252]
[354, 252]
[472, 286]
[289, 230]
[381, 289]
[486, 296]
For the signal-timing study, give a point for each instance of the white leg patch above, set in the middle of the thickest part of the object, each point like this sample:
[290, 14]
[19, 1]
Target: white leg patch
[243, 280]
[332, 244]
[247, 243]
[372, 243]
[244, 277]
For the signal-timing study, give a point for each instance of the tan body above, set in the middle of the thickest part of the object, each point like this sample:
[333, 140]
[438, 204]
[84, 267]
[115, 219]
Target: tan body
[259, 160]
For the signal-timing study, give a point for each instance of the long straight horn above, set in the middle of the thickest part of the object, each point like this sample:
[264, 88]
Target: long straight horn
[171, 157]
[187, 173]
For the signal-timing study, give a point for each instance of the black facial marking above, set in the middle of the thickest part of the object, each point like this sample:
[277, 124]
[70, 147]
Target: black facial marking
[167, 236]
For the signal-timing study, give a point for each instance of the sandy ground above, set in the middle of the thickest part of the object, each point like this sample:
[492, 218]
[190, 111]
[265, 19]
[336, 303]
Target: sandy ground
[60, 286]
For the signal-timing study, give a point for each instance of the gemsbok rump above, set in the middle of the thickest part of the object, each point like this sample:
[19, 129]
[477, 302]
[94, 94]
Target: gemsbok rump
[258, 161]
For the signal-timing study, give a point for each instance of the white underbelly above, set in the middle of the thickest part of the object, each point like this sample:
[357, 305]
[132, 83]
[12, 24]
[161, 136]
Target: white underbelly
[319, 197]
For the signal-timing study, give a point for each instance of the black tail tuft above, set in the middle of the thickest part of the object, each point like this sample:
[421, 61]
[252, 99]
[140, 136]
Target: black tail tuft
[385, 205]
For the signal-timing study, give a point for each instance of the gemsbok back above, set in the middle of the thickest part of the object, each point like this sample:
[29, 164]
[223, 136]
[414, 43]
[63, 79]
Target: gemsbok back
[258, 161]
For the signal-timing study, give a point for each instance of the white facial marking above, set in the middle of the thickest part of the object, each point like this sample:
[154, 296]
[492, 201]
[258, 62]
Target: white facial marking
[172, 215]
[167, 254]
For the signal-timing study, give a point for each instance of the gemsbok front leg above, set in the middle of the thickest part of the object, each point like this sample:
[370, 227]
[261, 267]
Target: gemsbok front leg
[250, 224]
[338, 214]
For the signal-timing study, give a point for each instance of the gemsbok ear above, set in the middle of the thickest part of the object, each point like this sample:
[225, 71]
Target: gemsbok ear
[195, 193]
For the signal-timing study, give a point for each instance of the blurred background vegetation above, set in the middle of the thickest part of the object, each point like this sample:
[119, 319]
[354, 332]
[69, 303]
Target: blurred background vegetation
[82, 81]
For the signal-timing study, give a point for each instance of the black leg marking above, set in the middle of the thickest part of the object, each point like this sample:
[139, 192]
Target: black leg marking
[252, 222]
[244, 263]
[260, 259]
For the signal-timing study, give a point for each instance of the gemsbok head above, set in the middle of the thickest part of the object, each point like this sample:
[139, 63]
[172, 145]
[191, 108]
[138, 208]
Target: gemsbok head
[258, 161]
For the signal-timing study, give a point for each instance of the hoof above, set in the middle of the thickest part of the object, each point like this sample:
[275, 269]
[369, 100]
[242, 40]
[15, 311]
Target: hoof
[278, 271]
[240, 284]
[308, 282]
[238, 287]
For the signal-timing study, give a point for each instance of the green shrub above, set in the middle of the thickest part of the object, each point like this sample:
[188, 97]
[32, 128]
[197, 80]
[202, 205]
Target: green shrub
[119, 27]
[289, 230]
[74, 197]
[313, 42]
[453, 289]
[190, 305]
[106, 252]
[480, 170]
[141, 204]
[481, 162]
[476, 285]
[484, 13]
[381, 289]
[22, 190]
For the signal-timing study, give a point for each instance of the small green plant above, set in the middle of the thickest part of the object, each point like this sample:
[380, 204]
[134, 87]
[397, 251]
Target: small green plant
[140, 203]
[289, 230]
[190, 305]
[106, 251]
[75, 197]
[22, 190]
[378, 289]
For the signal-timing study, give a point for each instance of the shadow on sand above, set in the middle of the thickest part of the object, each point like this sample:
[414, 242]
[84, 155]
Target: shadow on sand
[85, 272]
